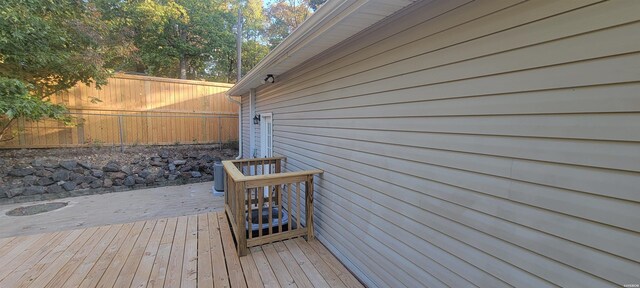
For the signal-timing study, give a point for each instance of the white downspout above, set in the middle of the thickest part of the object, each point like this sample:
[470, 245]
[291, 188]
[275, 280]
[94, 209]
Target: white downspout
[239, 126]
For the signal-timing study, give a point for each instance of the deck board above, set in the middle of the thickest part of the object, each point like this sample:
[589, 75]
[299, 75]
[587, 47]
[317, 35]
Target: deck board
[184, 251]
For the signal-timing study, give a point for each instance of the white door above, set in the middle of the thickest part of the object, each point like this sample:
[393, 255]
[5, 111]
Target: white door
[266, 135]
[266, 143]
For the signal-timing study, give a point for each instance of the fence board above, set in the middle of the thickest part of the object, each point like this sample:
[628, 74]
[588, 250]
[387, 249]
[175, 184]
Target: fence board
[153, 111]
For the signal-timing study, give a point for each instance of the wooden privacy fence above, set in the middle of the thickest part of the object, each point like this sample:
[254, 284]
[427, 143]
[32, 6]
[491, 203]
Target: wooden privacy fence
[132, 110]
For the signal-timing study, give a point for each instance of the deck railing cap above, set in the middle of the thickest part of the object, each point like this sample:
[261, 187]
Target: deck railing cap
[238, 176]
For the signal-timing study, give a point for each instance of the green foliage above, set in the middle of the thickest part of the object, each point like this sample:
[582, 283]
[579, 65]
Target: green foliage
[17, 102]
[252, 52]
[46, 47]
[174, 38]
[51, 45]
[285, 15]
[195, 39]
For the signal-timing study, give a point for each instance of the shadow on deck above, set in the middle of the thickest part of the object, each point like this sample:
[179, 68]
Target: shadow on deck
[186, 251]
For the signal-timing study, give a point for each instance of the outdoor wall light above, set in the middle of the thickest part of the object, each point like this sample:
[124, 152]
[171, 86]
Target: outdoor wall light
[256, 119]
[269, 79]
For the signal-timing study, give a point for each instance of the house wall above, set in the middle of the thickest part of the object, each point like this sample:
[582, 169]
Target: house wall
[245, 126]
[475, 143]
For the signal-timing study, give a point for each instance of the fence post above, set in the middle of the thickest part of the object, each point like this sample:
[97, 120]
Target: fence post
[21, 131]
[219, 132]
[121, 133]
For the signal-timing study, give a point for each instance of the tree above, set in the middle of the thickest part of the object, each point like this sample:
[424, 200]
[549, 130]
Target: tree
[46, 47]
[284, 16]
[18, 102]
[252, 52]
[315, 4]
[177, 38]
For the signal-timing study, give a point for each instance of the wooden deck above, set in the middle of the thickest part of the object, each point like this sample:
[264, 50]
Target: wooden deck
[186, 251]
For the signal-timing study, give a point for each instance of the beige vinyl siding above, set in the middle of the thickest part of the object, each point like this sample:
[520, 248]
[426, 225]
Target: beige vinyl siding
[245, 126]
[475, 143]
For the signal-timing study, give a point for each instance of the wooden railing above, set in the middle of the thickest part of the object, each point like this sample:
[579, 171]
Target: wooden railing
[264, 205]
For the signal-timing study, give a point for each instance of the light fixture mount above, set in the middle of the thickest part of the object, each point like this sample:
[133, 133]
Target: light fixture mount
[269, 79]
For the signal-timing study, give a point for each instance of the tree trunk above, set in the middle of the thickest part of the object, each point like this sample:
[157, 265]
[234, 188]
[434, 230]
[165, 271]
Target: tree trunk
[183, 67]
[5, 129]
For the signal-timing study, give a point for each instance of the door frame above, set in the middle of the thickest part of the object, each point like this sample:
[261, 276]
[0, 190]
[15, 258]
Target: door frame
[264, 146]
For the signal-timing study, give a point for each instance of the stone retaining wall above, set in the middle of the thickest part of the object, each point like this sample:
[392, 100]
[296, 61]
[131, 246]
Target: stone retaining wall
[50, 175]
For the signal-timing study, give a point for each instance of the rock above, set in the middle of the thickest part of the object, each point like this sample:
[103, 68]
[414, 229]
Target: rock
[206, 158]
[21, 172]
[96, 184]
[75, 177]
[14, 192]
[144, 173]
[79, 170]
[29, 180]
[2, 162]
[179, 162]
[45, 181]
[112, 166]
[156, 159]
[192, 155]
[137, 170]
[107, 183]
[97, 173]
[172, 177]
[84, 185]
[117, 175]
[129, 181]
[157, 163]
[38, 162]
[51, 164]
[69, 164]
[69, 186]
[139, 180]
[185, 175]
[196, 174]
[54, 189]
[150, 179]
[186, 168]
[61, 175]
[126, 170]
[164, 154]
[85, 165]
[88, 179]
[33, 190]
[172, 167]
[43, 173]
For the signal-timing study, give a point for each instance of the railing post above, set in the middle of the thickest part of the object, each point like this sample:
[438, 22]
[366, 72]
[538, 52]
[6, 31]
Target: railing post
[278, 169]
[309, 207]
[240, 190]
[226, 188]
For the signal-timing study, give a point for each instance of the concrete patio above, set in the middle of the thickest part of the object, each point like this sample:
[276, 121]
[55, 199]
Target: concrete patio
[113, 208]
